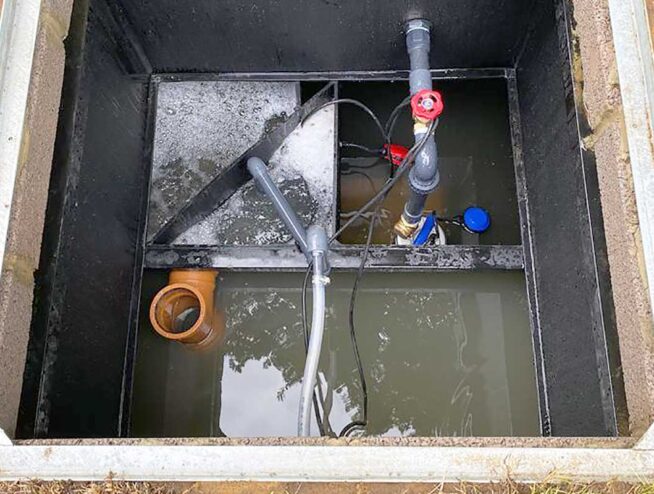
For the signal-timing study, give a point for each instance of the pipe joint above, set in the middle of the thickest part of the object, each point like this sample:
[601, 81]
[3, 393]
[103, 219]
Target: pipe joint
[184, 309]
[418, 35]
[318, 246]
[424, 177]
[405, 228]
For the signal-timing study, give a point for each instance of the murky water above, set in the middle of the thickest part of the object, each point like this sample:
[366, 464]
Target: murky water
[475, 158]
[444, 354]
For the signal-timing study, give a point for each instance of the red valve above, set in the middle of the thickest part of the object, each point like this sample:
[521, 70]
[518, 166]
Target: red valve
[427, 105]
[398, 153]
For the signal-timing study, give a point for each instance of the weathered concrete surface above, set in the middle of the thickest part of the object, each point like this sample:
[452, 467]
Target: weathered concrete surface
[598, 84]
[29, 203]
[325, 463]
[445, 442]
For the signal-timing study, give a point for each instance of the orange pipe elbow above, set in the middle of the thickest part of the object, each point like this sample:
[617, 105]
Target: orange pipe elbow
[184, 309]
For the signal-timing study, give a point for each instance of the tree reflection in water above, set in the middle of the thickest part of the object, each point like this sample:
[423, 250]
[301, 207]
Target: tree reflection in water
[444, 354]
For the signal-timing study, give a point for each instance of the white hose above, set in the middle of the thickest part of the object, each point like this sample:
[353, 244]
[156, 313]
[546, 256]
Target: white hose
[315, 344]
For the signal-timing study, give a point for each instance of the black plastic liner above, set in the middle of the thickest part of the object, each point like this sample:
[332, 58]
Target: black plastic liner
[78, 373]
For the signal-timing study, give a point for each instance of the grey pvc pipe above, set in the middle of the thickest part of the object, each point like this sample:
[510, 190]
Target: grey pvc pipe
[259, 172]
[315, 345]
[314, 244]
[418, 45]
[424, 176]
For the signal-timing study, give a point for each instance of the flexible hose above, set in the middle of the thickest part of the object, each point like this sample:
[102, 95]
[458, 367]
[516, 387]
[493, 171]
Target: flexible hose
[315, 344]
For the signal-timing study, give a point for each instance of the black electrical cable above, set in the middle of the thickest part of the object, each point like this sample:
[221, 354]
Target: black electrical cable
[392, 120]
[359, 147]
[306, 278]
[457, 221]
[401, 170]
[381, 194]
[353, 337]
[365, 175]
[392, 180]
[385, 136]
[355, 346]
[362, 167]
[350, 102]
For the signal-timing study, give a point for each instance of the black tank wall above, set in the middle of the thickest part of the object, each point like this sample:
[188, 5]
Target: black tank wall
[323, 35]
[575, 335]
[75, 365]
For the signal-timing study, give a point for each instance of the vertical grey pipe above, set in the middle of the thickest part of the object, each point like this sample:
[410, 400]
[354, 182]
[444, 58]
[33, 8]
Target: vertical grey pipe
[259, 172]
[424, 176]
[318, 245]
[315, 245]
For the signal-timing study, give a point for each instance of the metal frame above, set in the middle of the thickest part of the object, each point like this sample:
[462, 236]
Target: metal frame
[342, 257]
[18, 27]
[633, 47]
[527, 248]
[287, 258]
[163, 256]
[387, 75]
[139, 264]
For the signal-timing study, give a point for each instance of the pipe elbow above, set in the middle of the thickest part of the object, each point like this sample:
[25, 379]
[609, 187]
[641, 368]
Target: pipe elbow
[184, 310]
[256, 167]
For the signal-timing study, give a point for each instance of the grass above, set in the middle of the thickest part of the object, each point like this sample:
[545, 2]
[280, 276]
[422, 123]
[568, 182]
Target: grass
[507, 487]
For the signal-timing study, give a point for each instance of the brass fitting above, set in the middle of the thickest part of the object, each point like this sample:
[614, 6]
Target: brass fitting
[420, 126]
[184, 309]
[403, 228]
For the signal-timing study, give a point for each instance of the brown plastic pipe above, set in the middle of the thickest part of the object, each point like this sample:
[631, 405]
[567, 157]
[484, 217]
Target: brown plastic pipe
[189, 292]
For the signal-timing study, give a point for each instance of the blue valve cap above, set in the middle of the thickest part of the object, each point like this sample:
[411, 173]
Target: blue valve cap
[476, 219]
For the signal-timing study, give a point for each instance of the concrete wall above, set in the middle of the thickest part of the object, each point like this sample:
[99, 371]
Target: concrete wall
[23, 245]
[597, 79]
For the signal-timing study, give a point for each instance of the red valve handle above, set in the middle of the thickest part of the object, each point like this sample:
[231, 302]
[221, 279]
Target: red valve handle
[398, 153]
[427, 104]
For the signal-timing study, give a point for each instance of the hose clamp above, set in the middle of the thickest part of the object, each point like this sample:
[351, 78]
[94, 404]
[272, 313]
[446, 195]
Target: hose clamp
[321, 279]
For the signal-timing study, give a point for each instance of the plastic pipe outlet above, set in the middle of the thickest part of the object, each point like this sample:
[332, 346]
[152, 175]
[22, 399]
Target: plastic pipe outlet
[319, 245]
[315, 246]
[189, 296]
[424, 176]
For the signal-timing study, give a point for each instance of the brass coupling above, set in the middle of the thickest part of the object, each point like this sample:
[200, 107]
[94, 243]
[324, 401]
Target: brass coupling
[420, 126]
[405, 229]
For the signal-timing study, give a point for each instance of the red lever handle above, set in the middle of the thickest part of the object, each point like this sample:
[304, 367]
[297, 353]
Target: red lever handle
[427, 104]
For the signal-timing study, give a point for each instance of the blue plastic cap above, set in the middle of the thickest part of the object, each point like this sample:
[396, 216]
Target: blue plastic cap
[423, 235]
[476, 219]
